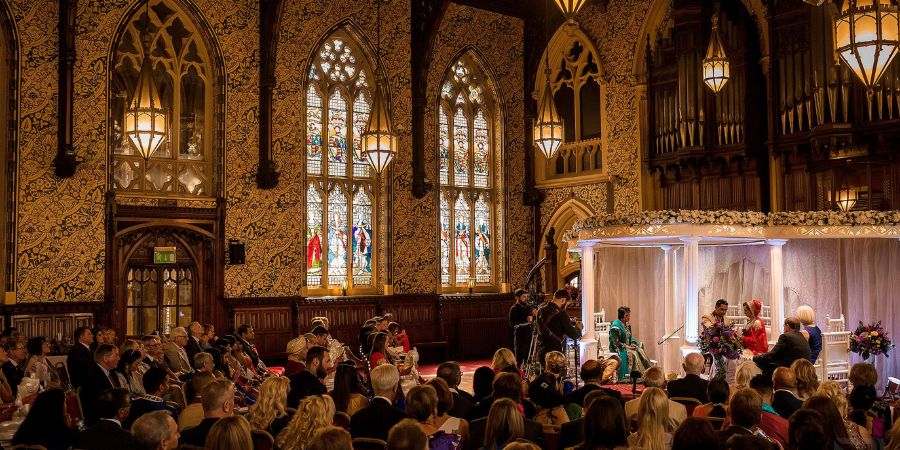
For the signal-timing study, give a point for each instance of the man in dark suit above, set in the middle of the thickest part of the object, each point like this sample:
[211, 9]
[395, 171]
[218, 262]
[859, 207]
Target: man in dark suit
[218, 402]
[554, 324]
[521, 318]
[790, 347]
[245, 336]
[592, 374]
[14, 367]
[112, 407]
[310, 381]
[156, 384]
[692, 385]
[99, 378]
[784, 399]
[572, 432]
[195, 330]
[463, 402]
[80, 357]
[375, 420]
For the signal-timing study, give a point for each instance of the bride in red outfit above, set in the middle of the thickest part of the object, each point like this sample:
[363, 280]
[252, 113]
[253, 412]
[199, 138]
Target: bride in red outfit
[755, 332]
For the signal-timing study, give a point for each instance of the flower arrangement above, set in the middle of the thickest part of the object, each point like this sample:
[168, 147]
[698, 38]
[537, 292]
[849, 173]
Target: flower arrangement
[870, 340]
[722, 341]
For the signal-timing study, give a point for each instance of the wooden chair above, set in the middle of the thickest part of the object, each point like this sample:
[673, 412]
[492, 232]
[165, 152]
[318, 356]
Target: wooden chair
[551, 439]
[716, 422]
[262, 440]
[190, 416]
[689, 403]
[369, 444]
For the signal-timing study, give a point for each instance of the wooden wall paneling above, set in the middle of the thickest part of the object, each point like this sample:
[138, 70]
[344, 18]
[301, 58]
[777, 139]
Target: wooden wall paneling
[272, 320]
[345, 314]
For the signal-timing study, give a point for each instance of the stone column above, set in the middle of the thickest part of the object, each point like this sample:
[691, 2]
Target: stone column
[691, 267]
[588, 343]
[776, 287]
[670, 349]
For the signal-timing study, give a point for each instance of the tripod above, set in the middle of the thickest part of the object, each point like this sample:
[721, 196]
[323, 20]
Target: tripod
[533, 363]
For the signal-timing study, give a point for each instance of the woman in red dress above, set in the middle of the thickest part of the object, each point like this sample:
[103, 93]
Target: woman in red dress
[754, 338]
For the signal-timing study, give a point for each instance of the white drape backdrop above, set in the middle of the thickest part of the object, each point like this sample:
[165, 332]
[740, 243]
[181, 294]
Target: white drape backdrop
[736, 273]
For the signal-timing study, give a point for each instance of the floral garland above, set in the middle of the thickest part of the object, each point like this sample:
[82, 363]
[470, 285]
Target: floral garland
[739, 218]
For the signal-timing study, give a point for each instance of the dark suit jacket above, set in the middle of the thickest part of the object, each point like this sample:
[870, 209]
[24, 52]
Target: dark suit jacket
[463, 402]
[250, 350]
[192, 348]
[105, 435]
[14, 375]
[95, 383]
[304, 384]
[785, 403]
[534, 432]
[197, 435]
[143, 405]
[79, 362]
[375, 420]
[691, 386]
[789, 348]
[577, 396]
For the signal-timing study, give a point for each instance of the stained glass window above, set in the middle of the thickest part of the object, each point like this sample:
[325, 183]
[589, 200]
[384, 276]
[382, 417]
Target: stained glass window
[468, 188]
[185, 75]
[341, 217]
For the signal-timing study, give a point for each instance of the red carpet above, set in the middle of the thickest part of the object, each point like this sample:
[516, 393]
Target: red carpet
[466, 366]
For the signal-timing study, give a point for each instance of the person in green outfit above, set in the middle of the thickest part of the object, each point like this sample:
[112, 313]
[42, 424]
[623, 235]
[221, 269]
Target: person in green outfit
[622, 342]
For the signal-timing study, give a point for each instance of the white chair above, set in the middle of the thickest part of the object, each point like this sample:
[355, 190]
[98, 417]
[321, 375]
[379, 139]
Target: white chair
[602, 338]
[836, 356]
[836, 325]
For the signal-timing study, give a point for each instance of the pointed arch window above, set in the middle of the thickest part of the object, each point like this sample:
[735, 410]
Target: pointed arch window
[468, 173]
[187, 80]
[342, 190]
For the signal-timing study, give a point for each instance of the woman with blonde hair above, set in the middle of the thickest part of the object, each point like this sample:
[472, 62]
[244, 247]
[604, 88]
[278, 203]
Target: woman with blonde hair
[653, 414]
[313, 415]
[229, 433]
[504, 424]
[807, 380]
[503, 358]
[810, 331]
[270, 413]
[745, 371]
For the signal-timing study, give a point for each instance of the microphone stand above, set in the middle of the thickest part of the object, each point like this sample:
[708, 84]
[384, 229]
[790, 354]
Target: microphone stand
[670, 335]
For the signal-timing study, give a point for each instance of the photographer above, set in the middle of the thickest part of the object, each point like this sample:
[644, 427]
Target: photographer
[521, 317]
[554, 324]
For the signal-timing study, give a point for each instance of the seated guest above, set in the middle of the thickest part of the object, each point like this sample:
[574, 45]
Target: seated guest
[504, 423]
[229, 433]
[310, 381]
[750, 442]
[810, 331]
[604, 426]
[592, 373]
[482, 383]
[861, 400]
[718, 393]
[770, 422]
[442, 419]
[784, 399]
[14, 367]
[845, 434]
[100, 378]
[156, 431]
[47, 423]
[546, 394]
[691, 385]
[695, 433]
[194, 343]
[176, 356]
[653, 422]
[790, 347]
[156, 382]
[38, 365]
[113, 408]
[653, 377]
[80, 357]
[744, 411]
[407, 435]
[421, 405]
[807, 431]
[6, 391]
[270, 412]
[347, 393]
[807, 380]
[398, 333]
[245, 337]
[503, 358]
[745, 371]
[205, 373]
[864, 374]
[571, 433]
[218, 402]
[331, 438]
[463, 402]
[365, 332]
[130, 373]
[506, 385]
[375, 420]
[315, 413]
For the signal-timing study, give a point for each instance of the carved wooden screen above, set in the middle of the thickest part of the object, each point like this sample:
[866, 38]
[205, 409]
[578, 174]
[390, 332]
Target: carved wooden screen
[469, 192]
[184, 165]
[342, 191]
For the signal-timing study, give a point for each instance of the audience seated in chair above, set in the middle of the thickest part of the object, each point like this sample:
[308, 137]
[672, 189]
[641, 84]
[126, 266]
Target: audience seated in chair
[229, 433]
[310, 381]
[807, 380]
[770, 422]
[218, 402]
[691, 385]
[113, 408]
[784, 399]
[46, 423]
[442, 419]
[506, 385]
[156, 431]
[314, 414]
[421, 405]
[745, 411]
[99, 378]
[718, 393]
[504, 423]
[806, 431]
[270, 412]
[831, 403]
[695, 433]
[653, 377]
[330, 438]
[604, 426]
[592, 373]
[156, 383]
[463, 402]
[347, 393]
[405, 435]
[572, 433]
[653, 427]
[375, 420]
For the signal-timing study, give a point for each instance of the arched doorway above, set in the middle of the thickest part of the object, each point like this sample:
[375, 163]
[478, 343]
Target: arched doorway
[568, 264]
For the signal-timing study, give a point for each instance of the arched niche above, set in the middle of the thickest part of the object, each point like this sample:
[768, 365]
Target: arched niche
[562, 220]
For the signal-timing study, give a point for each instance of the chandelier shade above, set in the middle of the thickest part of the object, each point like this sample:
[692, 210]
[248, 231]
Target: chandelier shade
[570, 7]
[716, 67]
[867, 36]
[146, 119]
[379, 142]
[846, 199]
[548, 130]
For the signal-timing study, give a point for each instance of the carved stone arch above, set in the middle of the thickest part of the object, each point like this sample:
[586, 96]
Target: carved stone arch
[561, 221]
[191, 13]
[9, 126]
[560, 43]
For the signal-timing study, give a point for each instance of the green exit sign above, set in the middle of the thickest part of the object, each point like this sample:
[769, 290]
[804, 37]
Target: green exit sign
[164, 255]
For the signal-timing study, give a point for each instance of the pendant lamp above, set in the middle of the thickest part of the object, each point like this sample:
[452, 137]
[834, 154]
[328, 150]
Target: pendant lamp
[548, 129]
[866, 36]
[570, 7]
[716, 67]
[379, 142]
[146, 119]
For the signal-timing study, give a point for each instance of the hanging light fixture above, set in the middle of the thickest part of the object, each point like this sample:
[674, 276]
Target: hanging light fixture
[716, 67]
[846, 199]
[867, 35]
[815, 2]
[570, 7]
[146, 119]
[379, 142]
[548, 129]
